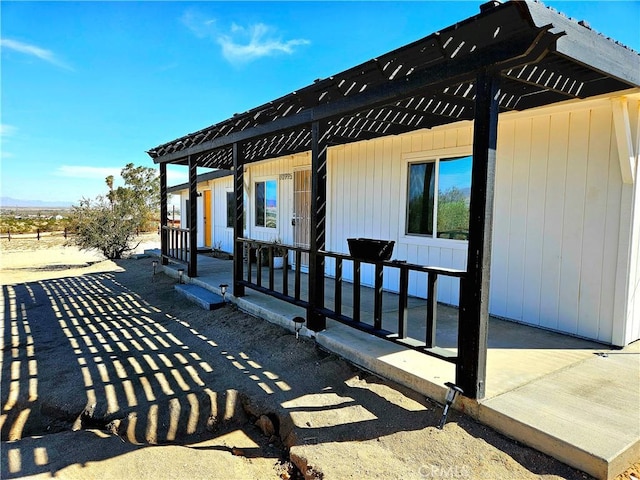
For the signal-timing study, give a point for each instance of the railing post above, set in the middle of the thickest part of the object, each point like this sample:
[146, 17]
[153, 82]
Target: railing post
[356, 290]
[432, 309]
[259, 266]
[338, 287]
[296, 293]
[403, 302]
[271, 269]
[377, 308]
[285, 274]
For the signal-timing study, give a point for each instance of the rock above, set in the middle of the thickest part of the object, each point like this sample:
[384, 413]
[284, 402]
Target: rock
[265, 424]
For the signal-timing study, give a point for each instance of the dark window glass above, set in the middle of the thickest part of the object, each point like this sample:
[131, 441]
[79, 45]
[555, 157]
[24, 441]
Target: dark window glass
[421, 198]
[231, 205]
[266, 204]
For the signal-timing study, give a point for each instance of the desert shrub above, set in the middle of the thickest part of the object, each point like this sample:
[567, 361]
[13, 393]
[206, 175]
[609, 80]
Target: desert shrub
[110, 223]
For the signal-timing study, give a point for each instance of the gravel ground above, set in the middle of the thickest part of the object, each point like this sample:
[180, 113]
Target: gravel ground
[108, 373]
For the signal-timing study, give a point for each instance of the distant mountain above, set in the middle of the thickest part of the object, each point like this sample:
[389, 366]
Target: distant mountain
[6, 202]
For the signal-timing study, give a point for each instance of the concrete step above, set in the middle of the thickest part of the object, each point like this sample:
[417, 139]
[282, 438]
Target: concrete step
[200, 296]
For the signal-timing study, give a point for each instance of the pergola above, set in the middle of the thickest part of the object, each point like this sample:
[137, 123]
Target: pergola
[512, 56]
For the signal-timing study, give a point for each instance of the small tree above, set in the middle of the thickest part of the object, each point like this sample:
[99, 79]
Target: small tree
[453, 213]
[110, 228]
[109, 223]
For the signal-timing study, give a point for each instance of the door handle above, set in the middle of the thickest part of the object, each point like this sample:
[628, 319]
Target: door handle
[293, 222]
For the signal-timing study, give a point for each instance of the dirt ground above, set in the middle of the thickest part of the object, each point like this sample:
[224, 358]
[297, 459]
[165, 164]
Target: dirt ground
[107, 373]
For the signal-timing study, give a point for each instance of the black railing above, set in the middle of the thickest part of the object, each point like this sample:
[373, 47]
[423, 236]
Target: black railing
[259, 260]
[400, 335]
[177, 244]
[259, 273]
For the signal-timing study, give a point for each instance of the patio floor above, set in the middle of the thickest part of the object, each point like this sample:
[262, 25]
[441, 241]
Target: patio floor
[574, 399]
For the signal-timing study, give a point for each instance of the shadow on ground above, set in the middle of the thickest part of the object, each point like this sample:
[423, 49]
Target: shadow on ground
[121, 353]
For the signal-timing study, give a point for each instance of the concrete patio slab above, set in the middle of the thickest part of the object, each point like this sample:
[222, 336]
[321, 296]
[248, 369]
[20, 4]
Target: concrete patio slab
[585, 415]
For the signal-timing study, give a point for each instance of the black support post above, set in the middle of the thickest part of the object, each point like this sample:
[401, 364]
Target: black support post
[432, 309]
[192, 268]
[238, 222]
[474, 291]
[164, 237]
[315, 320]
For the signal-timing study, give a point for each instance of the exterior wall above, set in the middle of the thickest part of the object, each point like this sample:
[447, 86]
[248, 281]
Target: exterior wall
[280, 169]
[564, 221]
[556, 224]
[367, 190]
[630, 289]
[221, 235]
[557, 211]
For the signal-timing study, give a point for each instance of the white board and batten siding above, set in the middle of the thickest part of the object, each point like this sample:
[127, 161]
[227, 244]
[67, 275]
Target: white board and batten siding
[367, 191]
[556, 216]
[561, 257]
[221, 235]
[281, 170]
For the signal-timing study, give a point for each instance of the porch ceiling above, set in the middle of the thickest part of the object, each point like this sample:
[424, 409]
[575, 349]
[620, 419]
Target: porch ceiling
[542, 57]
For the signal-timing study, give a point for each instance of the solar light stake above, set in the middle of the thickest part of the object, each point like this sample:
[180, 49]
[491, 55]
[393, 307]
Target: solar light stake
[223, 291]
[451, 396]
[180, 275]
[155, 265]
[297, 325]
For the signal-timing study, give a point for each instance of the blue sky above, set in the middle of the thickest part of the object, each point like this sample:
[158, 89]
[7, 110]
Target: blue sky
[87, 87]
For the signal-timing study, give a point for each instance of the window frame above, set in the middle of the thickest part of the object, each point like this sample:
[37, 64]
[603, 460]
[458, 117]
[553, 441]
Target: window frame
[265, 180]
[424, 157]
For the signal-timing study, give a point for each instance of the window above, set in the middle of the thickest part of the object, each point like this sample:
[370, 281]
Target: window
[231, 205]
[445, 215]
[266, 197]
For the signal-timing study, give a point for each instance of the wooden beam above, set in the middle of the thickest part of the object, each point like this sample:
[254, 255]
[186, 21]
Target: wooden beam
[315, 320]
[238, 221]
[520, 50]
[624, 140]
[192, 268]
[164, 214]
[474, 292]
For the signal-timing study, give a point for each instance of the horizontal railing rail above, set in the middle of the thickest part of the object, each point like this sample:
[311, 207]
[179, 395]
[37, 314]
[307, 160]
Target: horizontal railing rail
[259, 273]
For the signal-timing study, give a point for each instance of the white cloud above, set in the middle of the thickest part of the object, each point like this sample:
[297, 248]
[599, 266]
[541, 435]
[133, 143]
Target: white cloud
[242, 44]
[254, 42]
[79, 171]
[34, 51]
[7, 130]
